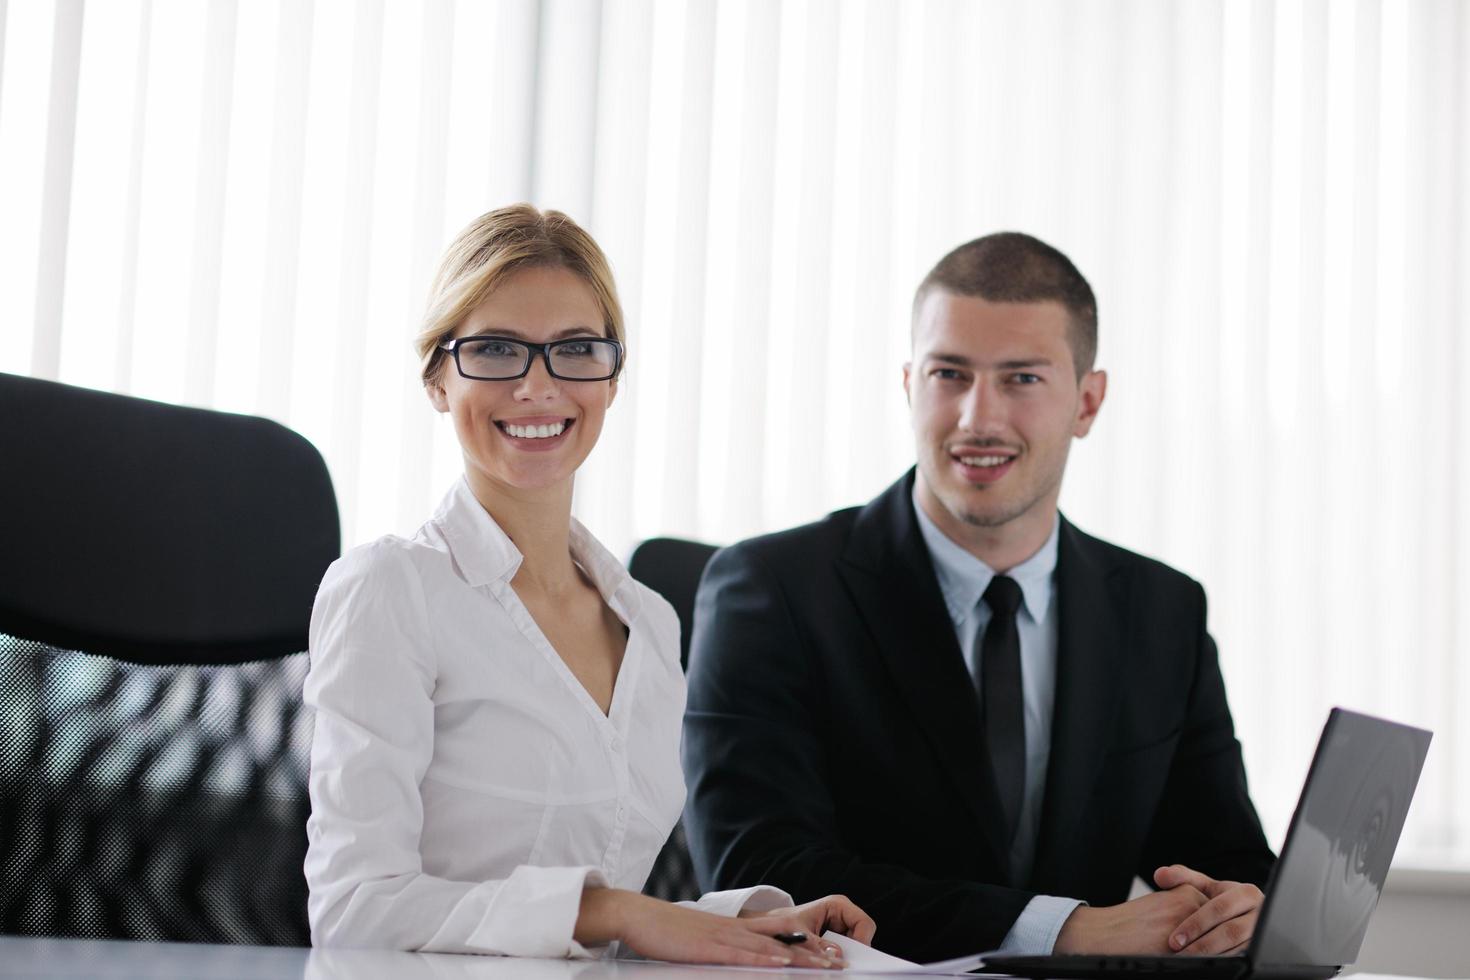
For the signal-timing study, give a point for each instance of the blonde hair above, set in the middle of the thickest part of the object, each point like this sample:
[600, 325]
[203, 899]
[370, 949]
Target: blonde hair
[492, 248]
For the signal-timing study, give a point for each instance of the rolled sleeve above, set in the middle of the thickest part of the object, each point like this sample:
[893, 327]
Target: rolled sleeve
[755, 900]
[531, 913]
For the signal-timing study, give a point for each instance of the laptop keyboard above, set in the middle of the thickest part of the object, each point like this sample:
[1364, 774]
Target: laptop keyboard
[1224, 967]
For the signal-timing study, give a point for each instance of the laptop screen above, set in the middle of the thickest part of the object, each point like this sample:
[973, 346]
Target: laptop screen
[1340, 842]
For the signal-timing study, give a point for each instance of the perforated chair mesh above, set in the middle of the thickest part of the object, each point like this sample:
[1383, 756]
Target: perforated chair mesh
[167, 803]
[152, 802]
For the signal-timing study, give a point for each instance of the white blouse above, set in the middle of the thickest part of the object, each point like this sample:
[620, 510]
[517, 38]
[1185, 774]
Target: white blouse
[464, 785]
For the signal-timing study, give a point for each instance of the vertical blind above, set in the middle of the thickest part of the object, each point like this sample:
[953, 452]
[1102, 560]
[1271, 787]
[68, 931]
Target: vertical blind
[239, 205]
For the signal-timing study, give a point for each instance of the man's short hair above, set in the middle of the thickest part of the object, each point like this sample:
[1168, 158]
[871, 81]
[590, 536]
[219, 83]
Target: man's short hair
[1012, 267]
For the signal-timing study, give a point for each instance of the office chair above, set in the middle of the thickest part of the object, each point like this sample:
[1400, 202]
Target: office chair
[156, 580]
[672, 567]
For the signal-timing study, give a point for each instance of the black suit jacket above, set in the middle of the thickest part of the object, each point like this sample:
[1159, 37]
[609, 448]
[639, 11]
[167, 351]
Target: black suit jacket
[833, 741]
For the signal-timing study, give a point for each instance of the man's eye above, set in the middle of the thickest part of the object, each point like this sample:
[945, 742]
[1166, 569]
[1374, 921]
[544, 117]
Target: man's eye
[1024, 378]
[945, 374]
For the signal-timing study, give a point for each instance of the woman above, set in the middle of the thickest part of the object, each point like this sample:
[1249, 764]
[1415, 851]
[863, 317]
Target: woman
[498, 704]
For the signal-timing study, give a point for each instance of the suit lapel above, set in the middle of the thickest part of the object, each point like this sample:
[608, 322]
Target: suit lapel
[888, 570]
[1089, 655]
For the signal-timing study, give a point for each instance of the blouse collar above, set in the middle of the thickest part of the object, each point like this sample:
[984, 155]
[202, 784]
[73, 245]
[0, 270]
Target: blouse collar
[485, 554]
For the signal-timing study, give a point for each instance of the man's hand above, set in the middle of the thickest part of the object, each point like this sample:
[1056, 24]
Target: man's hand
[1142, 926]
[1220, 927]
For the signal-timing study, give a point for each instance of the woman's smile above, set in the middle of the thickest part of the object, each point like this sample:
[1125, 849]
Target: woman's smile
[536, 433]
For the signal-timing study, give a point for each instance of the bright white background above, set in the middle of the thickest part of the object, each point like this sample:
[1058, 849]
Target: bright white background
[238, 204]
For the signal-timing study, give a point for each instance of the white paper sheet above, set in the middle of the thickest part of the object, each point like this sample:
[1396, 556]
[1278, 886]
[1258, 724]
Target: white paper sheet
[863, 961]
[866, 959]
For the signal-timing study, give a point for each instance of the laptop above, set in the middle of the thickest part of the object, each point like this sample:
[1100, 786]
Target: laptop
[1327, 881]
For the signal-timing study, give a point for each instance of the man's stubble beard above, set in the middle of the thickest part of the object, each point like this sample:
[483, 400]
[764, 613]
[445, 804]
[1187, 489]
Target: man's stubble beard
[990, 520]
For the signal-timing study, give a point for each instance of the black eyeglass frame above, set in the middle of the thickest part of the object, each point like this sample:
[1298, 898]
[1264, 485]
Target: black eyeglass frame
[452, 347]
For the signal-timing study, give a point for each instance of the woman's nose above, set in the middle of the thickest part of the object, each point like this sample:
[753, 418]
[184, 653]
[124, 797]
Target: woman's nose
[537, 383]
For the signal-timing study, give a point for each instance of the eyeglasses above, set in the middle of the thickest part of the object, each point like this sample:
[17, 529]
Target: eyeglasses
[505, 358]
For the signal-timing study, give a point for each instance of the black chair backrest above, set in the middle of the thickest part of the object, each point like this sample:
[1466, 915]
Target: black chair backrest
[672, 567]
[158, 569]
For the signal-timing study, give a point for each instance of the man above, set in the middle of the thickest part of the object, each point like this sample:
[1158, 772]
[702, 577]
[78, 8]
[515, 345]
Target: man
[952, 705]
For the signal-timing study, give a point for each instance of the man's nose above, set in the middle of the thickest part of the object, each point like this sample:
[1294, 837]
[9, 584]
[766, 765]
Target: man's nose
[983, 411]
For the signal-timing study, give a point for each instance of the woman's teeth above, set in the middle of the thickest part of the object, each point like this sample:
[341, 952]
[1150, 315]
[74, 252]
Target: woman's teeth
[535, 431]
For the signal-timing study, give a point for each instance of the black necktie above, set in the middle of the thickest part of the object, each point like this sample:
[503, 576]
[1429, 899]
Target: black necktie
[1001, 699]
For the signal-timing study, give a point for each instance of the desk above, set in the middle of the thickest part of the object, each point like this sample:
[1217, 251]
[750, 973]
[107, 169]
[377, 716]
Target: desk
[88, 959]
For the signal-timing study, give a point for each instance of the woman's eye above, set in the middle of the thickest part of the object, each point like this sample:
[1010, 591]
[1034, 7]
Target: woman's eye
[575, 349]
[489, 348]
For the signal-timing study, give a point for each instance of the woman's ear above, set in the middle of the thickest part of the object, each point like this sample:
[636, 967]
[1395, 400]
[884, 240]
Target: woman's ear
[437, 396]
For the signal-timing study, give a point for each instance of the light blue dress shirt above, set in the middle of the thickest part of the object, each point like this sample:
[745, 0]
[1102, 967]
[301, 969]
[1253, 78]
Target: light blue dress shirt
[963, 579]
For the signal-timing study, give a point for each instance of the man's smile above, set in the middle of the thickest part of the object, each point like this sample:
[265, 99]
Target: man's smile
[983, 465]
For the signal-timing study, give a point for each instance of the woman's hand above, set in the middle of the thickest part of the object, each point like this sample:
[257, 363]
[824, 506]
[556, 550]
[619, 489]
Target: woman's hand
[661, 931]
[835, 913]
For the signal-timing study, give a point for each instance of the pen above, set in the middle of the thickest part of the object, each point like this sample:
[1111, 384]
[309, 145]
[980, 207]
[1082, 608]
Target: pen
[790, 938]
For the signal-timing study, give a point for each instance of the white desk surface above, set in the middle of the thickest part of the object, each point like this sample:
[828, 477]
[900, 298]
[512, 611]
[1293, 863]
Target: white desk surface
[85, 959]
[24, 956]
